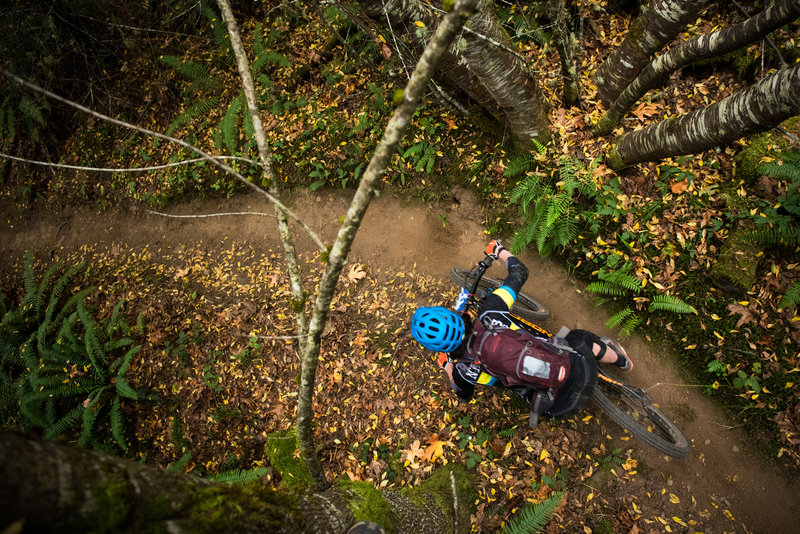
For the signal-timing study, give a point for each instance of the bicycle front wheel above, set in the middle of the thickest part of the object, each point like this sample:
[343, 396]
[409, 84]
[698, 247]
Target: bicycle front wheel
[525, 306]
[636, 413]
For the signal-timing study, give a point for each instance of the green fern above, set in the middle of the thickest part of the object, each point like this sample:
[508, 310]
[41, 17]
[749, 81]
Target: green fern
[229, 127]
[533, 518]
[201, 107]
[606, 288]
[630, 324]
[241, 476]
[792, 296]
[787, 168]
[220, 31]
[198, 75]
[54, 358]
[788, 236]
[548, 211]
[670, 304]
[520, 164]
[619, 318]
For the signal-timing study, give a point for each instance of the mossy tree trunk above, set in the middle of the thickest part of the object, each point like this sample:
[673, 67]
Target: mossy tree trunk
[756, 109]
[482, 63]
[701, 47]
[658, 24]
[53, 487]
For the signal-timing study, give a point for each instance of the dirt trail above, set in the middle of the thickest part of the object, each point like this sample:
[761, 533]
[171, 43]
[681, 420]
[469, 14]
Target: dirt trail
[399, 235]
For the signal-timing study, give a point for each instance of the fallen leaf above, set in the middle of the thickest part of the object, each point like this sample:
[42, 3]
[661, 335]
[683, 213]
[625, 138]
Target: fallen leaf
[746, 315]
[356, 272]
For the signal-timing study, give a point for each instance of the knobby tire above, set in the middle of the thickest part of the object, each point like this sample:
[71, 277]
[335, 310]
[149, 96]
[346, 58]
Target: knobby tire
[641, 418]
[525, 306]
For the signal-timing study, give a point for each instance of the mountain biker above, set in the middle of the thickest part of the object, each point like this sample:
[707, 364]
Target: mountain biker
[447, 332]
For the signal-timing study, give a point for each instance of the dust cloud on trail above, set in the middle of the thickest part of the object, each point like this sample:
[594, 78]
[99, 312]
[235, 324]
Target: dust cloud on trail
[400, 235]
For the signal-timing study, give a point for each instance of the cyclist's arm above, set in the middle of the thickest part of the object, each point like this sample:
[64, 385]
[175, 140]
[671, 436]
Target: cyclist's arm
[463, 377]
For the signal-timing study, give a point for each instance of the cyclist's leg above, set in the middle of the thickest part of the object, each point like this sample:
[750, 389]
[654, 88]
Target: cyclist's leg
[579, 386]
[604, 350]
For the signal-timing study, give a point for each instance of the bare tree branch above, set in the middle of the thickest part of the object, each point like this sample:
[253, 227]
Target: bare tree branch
[210, 214]
[175, 140]
[132, 169]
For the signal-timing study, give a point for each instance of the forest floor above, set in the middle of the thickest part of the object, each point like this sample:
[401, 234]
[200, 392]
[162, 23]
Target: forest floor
[205, 286]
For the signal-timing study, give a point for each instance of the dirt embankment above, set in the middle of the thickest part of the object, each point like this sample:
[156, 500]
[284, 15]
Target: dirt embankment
[721, 474]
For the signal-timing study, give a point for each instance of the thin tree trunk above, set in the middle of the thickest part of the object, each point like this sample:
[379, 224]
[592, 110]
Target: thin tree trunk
[700, 47]
[439, 43]
[756, 109]
[658, 24]
[483, 65]
[565, 44]
[266, 162]
[507, 79]
[54, 487]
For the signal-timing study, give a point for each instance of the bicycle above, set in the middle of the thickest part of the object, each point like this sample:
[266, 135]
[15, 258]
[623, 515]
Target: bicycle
[628, 406]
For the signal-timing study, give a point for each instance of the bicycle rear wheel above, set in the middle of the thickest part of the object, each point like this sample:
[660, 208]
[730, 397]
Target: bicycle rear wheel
[525, 306]
[635, 412]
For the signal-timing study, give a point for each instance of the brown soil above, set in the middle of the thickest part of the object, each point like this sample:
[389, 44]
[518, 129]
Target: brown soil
[724, 486]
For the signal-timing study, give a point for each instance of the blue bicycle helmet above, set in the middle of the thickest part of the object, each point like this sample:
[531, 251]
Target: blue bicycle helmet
[437, 328]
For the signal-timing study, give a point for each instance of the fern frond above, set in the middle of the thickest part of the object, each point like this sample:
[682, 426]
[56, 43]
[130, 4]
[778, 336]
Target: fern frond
[618, 318]
[70, 420]
[670, 304]
[413, 150]
[622, 279]
[792, 296]
[786, 169]
[520, 164]
[118, 424]
[92, 342]
[241, 476]
[630, 325]
[90, 417]
[198, 74]
[776, 236]
[533, 518]
[606, 288]
[181, 463]
[192, 112]
[31, 110]
[229, 127]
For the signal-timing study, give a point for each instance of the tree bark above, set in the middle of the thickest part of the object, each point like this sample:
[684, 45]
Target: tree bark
[756, 109]
[565, 44]
[482, 64]
[54, 487]
[658, 24]
[367, 189]
[700, 47]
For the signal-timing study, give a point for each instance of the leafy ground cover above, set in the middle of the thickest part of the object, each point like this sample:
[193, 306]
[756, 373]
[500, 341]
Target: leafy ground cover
[221, 384]
[669, 225]
[673, 226]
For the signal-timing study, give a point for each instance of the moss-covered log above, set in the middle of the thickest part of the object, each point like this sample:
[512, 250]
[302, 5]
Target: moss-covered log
[56, 487]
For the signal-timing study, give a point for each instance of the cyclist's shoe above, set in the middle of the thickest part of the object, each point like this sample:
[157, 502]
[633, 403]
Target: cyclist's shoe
[366, 527]
[623, 362]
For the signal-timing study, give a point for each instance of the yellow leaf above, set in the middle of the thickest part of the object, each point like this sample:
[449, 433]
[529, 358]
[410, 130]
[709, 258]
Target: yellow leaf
[674, 499]
[420, 23]
[544, 455]
[590, 497]
[679, 521]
